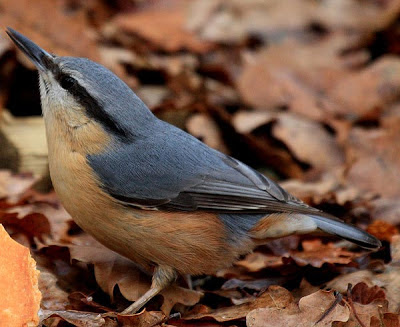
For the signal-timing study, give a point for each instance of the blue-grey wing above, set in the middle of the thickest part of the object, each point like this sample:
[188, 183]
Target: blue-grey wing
[173, 170]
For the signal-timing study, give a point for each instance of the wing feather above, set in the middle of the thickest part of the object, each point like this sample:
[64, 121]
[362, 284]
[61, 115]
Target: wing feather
[178, 172]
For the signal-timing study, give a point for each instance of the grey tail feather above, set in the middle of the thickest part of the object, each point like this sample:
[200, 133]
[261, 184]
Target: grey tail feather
[334, 226]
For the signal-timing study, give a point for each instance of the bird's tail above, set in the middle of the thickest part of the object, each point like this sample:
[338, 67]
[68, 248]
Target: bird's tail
[277, 225]
[334, 226]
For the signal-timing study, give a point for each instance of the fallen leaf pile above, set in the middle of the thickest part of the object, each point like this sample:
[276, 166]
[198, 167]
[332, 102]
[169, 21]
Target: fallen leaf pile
[307, 92]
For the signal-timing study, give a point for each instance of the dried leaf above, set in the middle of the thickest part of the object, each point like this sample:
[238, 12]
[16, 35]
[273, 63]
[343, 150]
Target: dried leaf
[395, 249]
[388, 280]
[32, 225]
[275, 296]
[89, 319]
[66, 33]
[82, 302]
[365, 312]
[266, 148]
[20, 299]
[363, 294]
[386, 209]
[309, 311]
[57, 217]
[366, 93]
[205, 128]
[308, 141]
[309, 93]
[382, 230]
[375, 157]
[258, 284]
[77, 318]
[163, 26]
[257, 261]
[316, 253]
[13, 185]
[296, 75]
[247, 121]
[53, 297]
[218, 20]
[387, 320]
[315, 192]
[111, 270]
[142, 319]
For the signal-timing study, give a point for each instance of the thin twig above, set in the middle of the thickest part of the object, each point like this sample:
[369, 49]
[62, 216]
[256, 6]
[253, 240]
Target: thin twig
[338, 299]
[351, 305]
[381, 316]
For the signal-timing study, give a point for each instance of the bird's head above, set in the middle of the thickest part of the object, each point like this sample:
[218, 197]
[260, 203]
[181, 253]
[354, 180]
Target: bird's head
[82, 97]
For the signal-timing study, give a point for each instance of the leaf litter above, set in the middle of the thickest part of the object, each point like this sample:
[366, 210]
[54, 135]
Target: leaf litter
[309, 96]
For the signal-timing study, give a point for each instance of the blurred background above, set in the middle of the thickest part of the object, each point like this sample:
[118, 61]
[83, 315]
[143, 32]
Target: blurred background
[305, 91]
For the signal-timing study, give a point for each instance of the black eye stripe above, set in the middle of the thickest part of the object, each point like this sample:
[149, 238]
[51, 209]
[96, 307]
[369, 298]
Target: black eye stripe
[91, 105]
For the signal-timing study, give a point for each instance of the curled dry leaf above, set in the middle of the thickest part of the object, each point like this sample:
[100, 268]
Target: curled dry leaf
[386, 209]
[268, 151]
[111, 270]
[308, 312]
[388, 280]
[247, 121]
[382, 230]
[315, 253]
[66, 33]
[142, 319]
[257, 261]
[375, 158]
[32, 225]
[19, 292]
[217, 20]
[387, 320]
[14, 185]
[258, 284]
[364, 312]
[90, 319]
[81, 302]
[356, 16]
[274, 297]
[206, 129]
[309, 141]
[366, 93]
[363, 294]
[54, 213]
[153, 96]
[53, 297]
[327, 186]
[295, 76]
[310, 61]
[395, 249]
[163, 26]
[76, 318]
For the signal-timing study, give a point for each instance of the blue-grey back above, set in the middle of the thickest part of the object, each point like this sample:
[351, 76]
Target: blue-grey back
[160, 165]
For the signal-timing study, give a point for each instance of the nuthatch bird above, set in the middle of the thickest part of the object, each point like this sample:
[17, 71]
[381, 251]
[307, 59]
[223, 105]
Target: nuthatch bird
[150, 191]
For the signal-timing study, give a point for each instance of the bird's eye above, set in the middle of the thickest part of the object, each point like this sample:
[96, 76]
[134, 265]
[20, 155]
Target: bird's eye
[67, 82]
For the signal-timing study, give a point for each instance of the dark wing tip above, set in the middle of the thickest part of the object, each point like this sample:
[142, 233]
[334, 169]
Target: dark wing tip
[349, 232]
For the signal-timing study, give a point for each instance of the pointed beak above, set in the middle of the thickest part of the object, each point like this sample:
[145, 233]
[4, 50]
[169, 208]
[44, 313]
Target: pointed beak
[36, 54]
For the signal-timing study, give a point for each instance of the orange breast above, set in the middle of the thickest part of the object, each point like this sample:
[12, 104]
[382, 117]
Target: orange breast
[192, 243]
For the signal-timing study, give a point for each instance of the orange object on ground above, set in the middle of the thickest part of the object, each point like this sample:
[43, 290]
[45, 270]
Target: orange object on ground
[19, 293]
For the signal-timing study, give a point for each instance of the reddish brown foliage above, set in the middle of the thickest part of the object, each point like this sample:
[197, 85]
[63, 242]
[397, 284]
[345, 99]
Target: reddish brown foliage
[306, 90]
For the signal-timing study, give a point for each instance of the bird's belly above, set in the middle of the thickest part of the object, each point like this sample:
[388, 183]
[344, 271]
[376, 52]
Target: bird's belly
[90, 207]
[193, 243]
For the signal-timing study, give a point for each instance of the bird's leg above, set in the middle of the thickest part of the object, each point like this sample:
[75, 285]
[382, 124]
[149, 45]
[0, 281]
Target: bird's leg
[162, 277]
